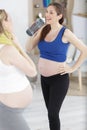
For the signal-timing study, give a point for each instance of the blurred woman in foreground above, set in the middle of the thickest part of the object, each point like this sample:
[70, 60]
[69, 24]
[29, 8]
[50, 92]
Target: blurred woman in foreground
[15, 88]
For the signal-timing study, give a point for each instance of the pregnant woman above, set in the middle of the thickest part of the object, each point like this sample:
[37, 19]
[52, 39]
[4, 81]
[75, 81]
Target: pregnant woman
[15, 88]
[53, 41]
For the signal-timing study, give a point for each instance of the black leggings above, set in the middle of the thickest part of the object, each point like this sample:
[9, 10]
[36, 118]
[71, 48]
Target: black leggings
[54, 90]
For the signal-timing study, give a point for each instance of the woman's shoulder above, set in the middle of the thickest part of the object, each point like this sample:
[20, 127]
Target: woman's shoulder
[5, 47]
[9, 50]
[7, 53]
[67, 32]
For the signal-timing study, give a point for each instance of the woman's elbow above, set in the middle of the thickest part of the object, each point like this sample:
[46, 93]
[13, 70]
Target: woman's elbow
[85, 51]
[33, 73]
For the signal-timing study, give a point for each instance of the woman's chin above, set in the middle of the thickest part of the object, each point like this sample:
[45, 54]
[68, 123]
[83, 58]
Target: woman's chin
[47, 22]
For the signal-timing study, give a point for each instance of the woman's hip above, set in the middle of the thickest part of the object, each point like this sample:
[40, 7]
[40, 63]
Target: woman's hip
[56, 78]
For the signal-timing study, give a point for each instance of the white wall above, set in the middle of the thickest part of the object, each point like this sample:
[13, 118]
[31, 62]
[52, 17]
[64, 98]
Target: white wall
[80, 6]
[18, 9]
[79, 24]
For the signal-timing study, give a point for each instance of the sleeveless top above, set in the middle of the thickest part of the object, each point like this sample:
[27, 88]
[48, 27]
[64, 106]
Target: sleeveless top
[55, 50]
[11, 78]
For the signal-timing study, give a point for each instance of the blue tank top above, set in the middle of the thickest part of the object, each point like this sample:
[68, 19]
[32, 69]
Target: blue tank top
[55, 50]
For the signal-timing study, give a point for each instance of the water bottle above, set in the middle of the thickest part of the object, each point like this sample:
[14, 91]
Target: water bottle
[35, 26]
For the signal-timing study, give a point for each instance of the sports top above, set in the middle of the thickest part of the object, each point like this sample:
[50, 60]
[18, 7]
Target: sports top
[55, 50]
[11, 78]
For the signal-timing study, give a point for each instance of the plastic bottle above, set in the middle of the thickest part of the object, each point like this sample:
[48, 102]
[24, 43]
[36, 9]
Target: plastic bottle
[35, 26]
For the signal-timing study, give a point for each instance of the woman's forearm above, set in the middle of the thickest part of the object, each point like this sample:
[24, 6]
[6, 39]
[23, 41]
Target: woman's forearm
[82, 57]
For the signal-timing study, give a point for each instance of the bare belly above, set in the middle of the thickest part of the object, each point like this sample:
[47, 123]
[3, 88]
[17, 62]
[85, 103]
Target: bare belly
[48, 67]
[18, 99]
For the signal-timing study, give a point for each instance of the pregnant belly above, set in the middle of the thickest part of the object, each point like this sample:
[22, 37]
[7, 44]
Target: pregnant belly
[48, 67]
[17, 100]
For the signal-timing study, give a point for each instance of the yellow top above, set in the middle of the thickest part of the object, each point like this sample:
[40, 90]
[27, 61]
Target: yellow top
[6, 39]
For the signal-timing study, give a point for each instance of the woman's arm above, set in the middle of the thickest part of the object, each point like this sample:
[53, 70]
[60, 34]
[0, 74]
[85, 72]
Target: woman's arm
[18, 60]
[80, 46]
[33, 41]
[18, 46]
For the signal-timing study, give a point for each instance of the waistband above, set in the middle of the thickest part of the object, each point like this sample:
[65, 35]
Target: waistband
[55, 75]
[10, 109]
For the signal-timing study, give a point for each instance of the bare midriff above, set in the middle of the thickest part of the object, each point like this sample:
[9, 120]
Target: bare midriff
[18, 99]
[48, 67]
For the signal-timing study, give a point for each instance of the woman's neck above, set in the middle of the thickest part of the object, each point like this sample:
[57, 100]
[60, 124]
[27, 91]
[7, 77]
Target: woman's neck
[55, 27]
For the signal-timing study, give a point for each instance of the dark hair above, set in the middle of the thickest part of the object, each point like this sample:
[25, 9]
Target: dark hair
[59, 9]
